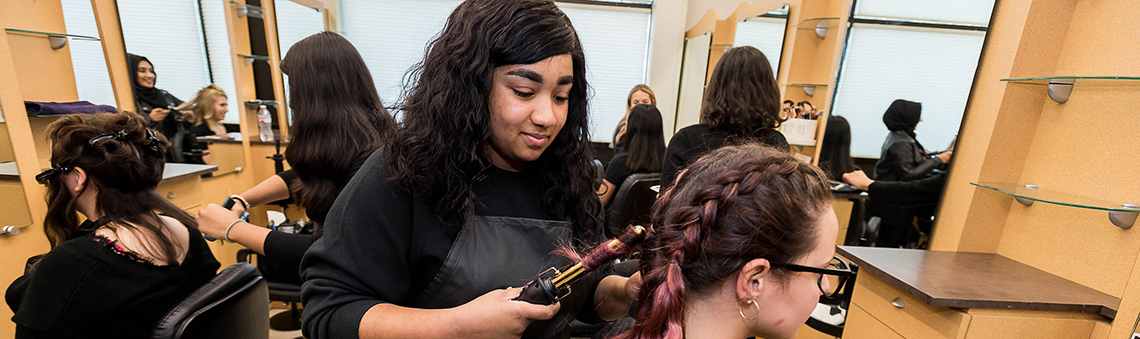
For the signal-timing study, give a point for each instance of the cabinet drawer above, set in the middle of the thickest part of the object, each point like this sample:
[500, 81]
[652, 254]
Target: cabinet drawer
[904, 314]
[182, 193]
[861, 325]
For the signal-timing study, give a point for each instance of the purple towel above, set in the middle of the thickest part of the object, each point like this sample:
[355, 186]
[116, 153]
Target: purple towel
[35, 108]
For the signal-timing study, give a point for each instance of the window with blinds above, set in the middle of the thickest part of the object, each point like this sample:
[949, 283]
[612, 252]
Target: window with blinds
[218, 54]
[91, 77]
[764, 33]
[393, 35]
[925, 53]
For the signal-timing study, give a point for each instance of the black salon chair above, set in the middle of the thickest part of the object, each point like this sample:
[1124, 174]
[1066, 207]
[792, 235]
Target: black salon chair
[231, 305]
[633, 202]
[283, 286]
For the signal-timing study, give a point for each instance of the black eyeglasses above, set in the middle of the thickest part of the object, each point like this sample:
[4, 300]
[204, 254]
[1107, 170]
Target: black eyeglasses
[839, 268]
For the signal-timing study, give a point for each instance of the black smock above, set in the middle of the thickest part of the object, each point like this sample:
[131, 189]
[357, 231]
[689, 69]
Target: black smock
[87, 288]
[382, 244]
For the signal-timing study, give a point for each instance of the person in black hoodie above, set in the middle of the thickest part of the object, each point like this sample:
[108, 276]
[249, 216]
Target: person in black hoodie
[154, 105]
[338, 121]
[902, 157]
[137, 255]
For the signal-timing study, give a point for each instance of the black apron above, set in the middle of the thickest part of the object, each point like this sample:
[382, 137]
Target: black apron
[498, 252]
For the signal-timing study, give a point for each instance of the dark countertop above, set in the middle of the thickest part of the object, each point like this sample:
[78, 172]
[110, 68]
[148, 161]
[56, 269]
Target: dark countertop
[860, 195]
[8, 171]
[175, 172]
[978, 280]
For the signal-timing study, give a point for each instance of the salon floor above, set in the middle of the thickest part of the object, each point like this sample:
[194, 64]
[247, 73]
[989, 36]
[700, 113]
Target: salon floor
[275, 334]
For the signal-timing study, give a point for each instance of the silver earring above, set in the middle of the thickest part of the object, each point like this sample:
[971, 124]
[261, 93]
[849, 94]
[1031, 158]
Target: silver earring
[753, 303]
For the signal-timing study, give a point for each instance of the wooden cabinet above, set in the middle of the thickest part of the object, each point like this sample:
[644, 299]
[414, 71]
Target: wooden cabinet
[930, 294]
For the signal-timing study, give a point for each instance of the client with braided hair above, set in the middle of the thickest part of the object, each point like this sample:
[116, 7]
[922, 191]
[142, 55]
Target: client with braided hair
[117, 273]
[740, 246]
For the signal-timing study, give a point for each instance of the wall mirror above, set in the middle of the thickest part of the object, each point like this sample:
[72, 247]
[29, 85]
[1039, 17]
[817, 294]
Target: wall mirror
[179, 57]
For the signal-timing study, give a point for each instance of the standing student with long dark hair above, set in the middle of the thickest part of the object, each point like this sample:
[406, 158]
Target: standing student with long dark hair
[741, 103]
[489, 174]
[338, 120]
[835, 152]
[740, 247]
[117, 273]
[644, 144]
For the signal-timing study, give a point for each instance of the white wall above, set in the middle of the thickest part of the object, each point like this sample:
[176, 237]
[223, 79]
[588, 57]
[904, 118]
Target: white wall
[666, 43]
[697, 9]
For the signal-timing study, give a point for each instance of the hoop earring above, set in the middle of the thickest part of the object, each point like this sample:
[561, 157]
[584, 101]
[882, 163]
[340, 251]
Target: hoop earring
[753, 303]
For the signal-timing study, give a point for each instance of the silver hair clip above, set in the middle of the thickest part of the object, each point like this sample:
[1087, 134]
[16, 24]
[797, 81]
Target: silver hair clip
[120, 135]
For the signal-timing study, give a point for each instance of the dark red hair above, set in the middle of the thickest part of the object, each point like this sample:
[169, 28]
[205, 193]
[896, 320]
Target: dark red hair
[731, 206]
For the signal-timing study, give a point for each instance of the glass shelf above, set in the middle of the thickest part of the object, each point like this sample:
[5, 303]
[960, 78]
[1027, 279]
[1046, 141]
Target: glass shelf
[247, 9]
[1024, 192]
[49, 34]
[254, 57]
[812, 23]
[1081, 80]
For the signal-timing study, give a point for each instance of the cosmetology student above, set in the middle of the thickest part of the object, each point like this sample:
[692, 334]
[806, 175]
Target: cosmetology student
[639, 95]
[902, 157]
[740, 248]
[741, 103]
[489, 174]
[152, 103]
[338, 120]
[208, 109]
[117, 273]
[643, 146]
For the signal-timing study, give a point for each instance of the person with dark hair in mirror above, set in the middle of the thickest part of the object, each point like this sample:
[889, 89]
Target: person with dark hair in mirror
[741, 102]
[644, 144]
[157, 105]
[835, 152]
[135, 257]
[902, 157]
[742, 247]
[338, 121]
[489, 174]
[639, 95]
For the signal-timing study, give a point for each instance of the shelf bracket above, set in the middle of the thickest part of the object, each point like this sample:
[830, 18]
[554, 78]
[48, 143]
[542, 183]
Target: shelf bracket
[1124, 220]
[57, 42]
[821, 29]
[810, 89]
[1059, 89]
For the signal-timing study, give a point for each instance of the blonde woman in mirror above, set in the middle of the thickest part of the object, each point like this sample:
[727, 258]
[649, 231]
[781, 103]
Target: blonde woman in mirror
[208, 109]
[639, 95]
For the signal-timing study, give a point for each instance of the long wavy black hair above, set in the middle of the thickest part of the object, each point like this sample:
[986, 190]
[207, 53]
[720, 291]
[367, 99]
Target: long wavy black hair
[742, 95]
[337, 118]
[644, 139]
[439, 152]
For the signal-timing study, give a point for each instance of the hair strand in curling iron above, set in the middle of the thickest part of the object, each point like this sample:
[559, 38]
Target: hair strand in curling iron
[545, 289]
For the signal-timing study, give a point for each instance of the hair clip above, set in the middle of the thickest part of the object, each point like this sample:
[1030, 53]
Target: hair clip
[153, 139]
[120, 135]
[53, 172]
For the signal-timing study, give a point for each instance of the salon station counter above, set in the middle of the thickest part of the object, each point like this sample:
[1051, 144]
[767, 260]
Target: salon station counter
[182, 184]
[932, 294]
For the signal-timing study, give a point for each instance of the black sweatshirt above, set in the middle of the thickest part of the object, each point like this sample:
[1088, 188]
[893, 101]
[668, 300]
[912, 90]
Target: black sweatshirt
[690, 143]
[85, 288]
[384, 245]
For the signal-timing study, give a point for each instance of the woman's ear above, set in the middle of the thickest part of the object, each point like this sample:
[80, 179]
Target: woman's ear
[753, 278]
[79, 183]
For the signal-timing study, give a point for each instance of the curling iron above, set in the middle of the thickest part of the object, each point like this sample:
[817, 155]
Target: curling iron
[228, 204]
[552, 284]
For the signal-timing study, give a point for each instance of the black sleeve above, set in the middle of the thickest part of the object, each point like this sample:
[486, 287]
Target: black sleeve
[674, 159]
[905, 158]
[287, 248]
[290, 179]
[371, 222]
[922, 191]
[618, 170]
[53, 304]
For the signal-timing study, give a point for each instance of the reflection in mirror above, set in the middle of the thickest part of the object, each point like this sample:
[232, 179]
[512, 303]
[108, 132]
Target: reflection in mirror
[902, 86]
[182, 77]
[766, 33]
[294, 22]
[13, 206]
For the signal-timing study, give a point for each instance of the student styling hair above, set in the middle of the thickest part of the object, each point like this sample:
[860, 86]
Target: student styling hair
[440, 150]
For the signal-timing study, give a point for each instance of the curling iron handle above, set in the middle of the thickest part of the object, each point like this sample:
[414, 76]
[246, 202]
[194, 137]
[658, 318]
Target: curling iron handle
[540, 291]
[228, 204]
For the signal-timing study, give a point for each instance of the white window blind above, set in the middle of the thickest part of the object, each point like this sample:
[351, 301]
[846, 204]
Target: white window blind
[764, 33]
[392, 36]
[933, 67]
[295, 22]
[170, 36]
[91, 77]
[218, 53]
[960, 11]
